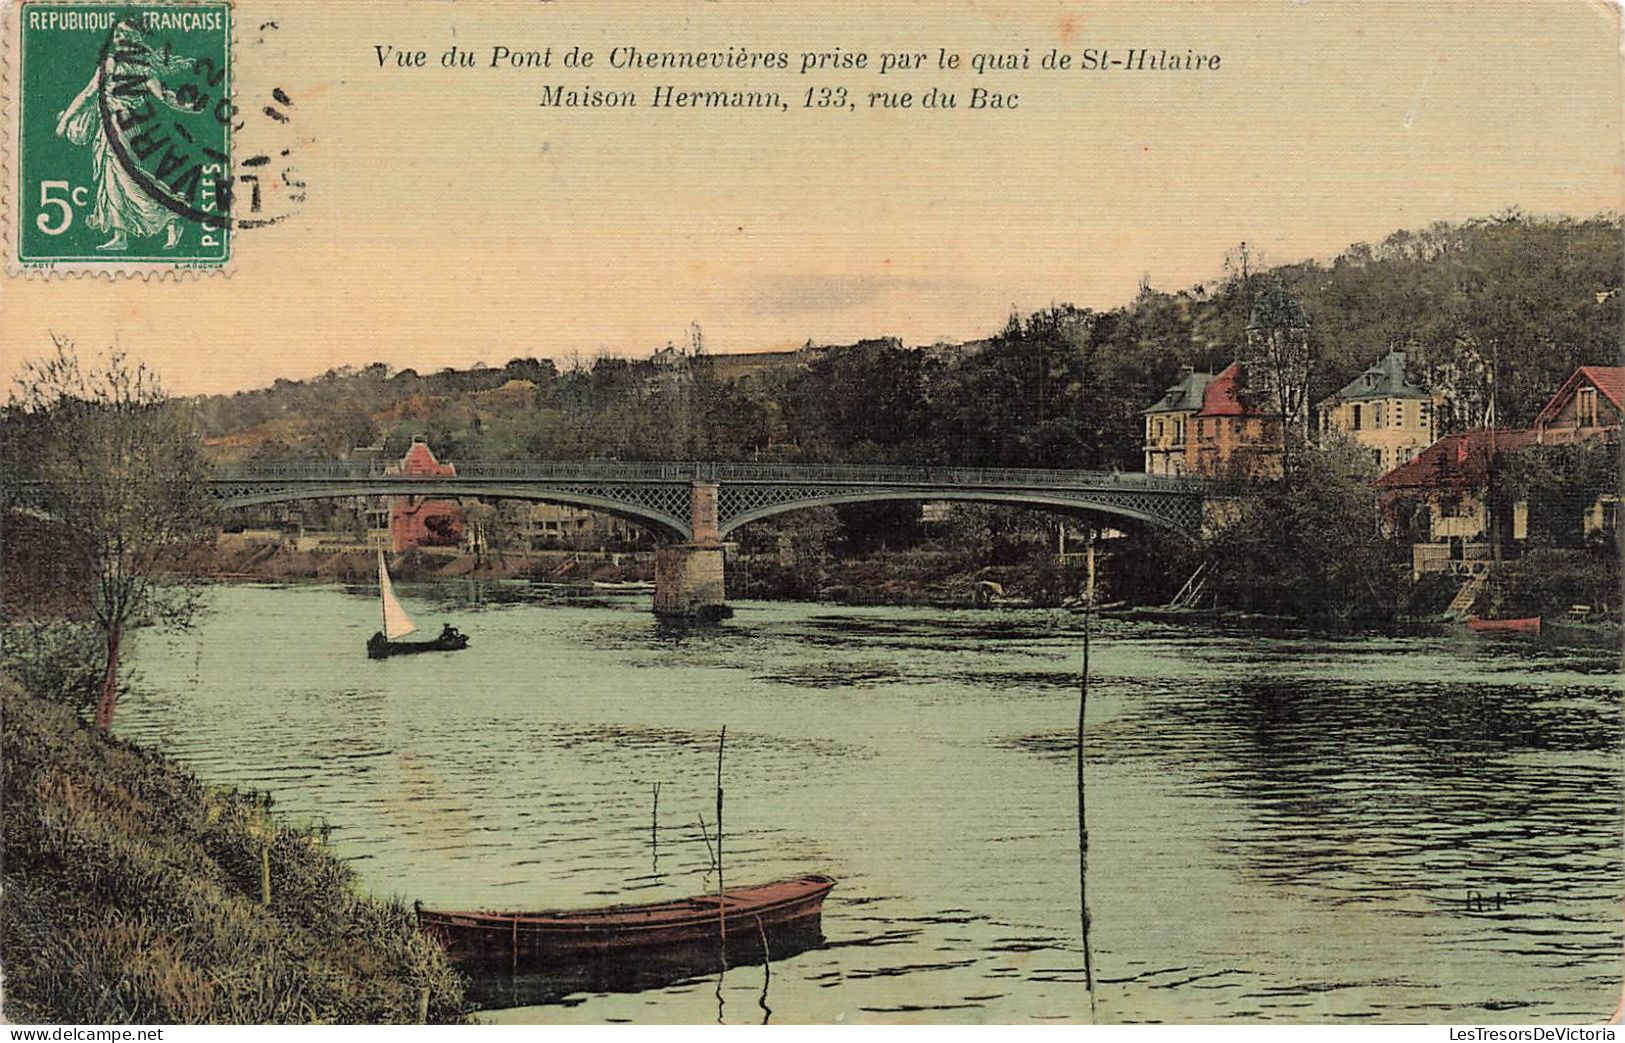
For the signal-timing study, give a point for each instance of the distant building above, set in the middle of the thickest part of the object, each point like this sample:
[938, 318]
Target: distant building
[547, 526]
[1169, 424]
[1586, 407]
[1235, 436]
[747, 367]
[418, 522]
[1381, 410]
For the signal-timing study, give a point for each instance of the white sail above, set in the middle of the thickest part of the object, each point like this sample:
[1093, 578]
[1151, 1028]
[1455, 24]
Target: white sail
[396, 622]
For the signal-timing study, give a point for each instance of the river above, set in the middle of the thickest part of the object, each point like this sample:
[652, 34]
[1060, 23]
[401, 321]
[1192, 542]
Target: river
[1281, 828]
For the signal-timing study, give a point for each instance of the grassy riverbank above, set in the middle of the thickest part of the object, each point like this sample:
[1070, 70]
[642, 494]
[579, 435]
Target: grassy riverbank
[132, 894]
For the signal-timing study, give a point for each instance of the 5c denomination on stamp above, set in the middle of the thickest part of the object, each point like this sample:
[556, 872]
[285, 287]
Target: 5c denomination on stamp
[123, 148]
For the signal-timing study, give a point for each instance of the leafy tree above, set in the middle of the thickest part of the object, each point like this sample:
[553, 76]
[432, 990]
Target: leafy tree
[1311, 548]
[1558, 483]
[99, 448]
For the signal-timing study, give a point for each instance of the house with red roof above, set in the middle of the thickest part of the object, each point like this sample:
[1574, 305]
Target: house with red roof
[1442, 495]
[1234, 434]
[418, 522]
[1586, 407]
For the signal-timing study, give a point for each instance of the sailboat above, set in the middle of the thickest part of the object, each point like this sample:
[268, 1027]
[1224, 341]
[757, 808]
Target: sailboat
[398, 624]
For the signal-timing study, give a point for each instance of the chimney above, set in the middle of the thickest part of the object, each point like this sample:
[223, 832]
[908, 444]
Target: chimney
[1461, 449]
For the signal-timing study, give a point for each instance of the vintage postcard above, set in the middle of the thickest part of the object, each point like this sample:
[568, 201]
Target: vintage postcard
[741, 512]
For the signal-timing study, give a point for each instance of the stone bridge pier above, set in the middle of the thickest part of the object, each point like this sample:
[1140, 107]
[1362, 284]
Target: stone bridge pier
[690, 578]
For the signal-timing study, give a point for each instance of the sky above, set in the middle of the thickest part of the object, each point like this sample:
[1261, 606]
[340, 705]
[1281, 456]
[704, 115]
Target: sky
[449, 218]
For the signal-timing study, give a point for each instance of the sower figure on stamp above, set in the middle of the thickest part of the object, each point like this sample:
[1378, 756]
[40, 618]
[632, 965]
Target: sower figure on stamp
[123, 207]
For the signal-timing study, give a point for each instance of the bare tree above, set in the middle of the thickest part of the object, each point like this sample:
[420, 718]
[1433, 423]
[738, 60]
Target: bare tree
[488, 531]
[1277, 357]
[98, 449]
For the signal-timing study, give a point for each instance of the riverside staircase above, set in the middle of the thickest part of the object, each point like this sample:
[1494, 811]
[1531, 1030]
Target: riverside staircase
[1463, 601]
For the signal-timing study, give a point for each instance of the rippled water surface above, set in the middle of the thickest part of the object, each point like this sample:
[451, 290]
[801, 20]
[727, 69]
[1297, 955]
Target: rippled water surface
[1280, 828]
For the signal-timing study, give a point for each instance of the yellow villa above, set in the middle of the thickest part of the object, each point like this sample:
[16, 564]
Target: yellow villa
[1170, 424]
[1382, 411]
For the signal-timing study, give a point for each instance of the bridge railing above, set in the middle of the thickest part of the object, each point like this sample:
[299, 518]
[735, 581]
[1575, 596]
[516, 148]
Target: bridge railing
[902, 474]
[687, 471]
[318, 470]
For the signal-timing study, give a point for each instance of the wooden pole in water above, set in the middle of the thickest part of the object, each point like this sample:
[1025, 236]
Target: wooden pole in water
[722, 919]
[265, 872]
[722, 910]
[1083, 825]
[654, 829]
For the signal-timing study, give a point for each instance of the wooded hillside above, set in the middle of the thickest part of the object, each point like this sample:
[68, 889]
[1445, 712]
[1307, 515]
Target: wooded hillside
[1501, 308]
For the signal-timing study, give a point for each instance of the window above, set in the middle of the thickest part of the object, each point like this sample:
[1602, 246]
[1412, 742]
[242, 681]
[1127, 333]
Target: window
[1354, 417]
[1376, 457]
[1585, 407]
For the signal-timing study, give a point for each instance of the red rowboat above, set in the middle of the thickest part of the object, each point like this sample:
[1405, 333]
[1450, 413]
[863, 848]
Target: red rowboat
[1525, 625]
[565, 937]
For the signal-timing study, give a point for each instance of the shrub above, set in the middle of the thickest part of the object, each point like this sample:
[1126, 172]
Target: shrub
[55, 659]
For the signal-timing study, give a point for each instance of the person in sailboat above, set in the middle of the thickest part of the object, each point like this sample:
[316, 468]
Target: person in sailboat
[397, 624]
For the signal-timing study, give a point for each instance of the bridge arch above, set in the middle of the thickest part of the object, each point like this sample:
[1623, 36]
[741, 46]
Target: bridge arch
[661, 521]
[1059, 503]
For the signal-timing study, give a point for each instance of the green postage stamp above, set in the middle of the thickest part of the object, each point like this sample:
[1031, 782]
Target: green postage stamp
[123, 136]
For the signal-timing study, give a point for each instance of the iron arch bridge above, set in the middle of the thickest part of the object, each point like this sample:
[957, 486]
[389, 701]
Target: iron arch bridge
[706, 501]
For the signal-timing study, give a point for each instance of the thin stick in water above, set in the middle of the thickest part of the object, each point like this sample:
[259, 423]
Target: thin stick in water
[710, 854]
[722, 920]
[1083, 826]
[722, 909]
[654, 830]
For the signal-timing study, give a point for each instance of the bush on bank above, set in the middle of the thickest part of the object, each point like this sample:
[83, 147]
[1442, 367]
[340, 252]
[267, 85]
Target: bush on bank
[1549, 582]
[131, 894]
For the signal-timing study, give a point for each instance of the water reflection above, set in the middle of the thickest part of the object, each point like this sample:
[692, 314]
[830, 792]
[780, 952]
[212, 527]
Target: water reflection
[495, 987]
